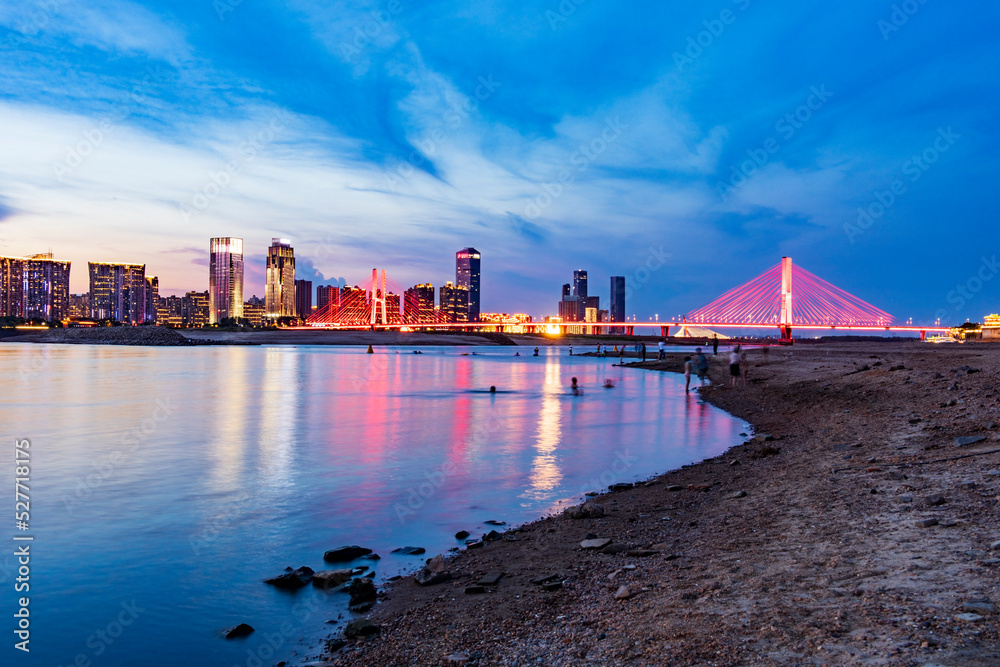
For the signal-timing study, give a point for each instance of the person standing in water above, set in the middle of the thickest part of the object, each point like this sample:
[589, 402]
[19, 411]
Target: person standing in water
[701, 366]
[536, 352]
[574, 387]
[662, 351]
[571, 350]
[687, 374]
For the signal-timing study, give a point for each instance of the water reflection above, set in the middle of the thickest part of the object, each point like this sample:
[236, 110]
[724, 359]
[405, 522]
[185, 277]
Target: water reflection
[545, 474]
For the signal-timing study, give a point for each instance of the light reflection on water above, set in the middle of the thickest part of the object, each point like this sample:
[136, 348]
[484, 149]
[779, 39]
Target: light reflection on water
[271, 455]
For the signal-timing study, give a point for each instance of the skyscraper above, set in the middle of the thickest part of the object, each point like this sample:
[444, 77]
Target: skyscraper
[418, 304]
[580, 284]
[326, 294]
[279, 292]
[467, 275]
[225, 279]
[118, 292]
[617, 308]
[303, 298]
[152, 297]
[34, 287]
[454, 303]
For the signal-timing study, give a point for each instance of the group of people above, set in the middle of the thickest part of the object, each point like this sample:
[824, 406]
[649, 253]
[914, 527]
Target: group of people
[739, 366]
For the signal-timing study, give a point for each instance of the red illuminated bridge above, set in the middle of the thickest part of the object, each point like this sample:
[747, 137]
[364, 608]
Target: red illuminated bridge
[785, 297]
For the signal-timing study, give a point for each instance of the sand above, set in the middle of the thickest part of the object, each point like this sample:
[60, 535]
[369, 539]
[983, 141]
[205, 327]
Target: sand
[857, 534]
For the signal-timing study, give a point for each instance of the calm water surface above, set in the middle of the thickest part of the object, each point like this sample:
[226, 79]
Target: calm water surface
[168, 482]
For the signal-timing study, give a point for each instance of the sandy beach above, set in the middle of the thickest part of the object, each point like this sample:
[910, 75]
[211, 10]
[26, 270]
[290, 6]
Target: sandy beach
[859, 527]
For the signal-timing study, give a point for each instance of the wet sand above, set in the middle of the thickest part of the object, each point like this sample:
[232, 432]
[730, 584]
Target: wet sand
[857, 533]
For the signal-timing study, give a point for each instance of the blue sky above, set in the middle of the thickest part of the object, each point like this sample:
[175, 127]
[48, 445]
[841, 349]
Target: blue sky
[701, 140]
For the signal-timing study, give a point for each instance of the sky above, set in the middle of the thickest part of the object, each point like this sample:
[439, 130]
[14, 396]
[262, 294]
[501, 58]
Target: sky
[687, 145]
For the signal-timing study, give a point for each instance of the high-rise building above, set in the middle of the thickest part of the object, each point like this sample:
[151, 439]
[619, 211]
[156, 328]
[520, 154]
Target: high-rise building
[327, 294]
[303, 298]
[34, 287]
[454, 303]
[467, 275]
[225, 279]
[152, 297]
[392, 309]
[580, 284]
[418, 304]
[79, 305]
[118, 292]
[279, 292]
[170, 311]
[617, 309]
[196, 309]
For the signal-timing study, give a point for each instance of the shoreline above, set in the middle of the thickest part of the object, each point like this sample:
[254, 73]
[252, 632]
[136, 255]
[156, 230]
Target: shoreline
[852, 535]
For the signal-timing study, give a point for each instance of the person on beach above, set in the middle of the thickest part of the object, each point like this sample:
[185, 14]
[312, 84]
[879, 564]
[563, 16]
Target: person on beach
[644, 352]
[687, 374]
[734, 365]
[715, 344]
[701, 366]
[662, 350]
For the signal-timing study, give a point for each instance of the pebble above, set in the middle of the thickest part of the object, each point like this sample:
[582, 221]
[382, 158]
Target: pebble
[599, 543]
[740, 494]
[978, 607]
[926, 523]
[623, 593]
[969, 618]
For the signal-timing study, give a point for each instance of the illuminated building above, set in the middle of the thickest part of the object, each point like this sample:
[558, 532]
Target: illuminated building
[454, 303]
[418, 304]
[279, 291]
[118, 292]
[327, 294]
[617, 309]
[580, 284]
[510, 323]
[467, 275]
[253, 311]
[195, 309]
[991, 327]
[393, 314]
[34, 287]
[225, 279]
[170, 311]
[79, 305]
[152, 297]
[303, 298]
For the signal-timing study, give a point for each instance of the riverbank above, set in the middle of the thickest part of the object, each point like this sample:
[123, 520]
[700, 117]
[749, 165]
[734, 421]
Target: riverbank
[858, 532]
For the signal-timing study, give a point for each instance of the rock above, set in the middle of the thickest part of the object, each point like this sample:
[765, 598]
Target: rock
[763, 437]
[490, 579]
[615, 548]
[292, 579]
[935, 500]
[474, 590]
[492, 536]
[361, 627]
[362, 591]
[335, 644]
[621, 486]
[641, 553]
[969, 618]
[969, 440]
[926, 523]
[599, 543]
[623, 593]
[906, 499]
[899, 367]
[461, 535]
[432, 573]
[371, 557]
[995, 546]
[494, 522]
[978, 607]
[552, 586]
[344, 554]
[409, 551]
[675, 487]
[457, 658]
[327, 579]
[740, 494]
[238, 631]
[546, 580]
[967, 485]
[734, 462]
[474, 544]
[588, 510]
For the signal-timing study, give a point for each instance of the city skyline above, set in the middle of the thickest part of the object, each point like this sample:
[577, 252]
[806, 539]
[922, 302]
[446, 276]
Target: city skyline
[539, 141]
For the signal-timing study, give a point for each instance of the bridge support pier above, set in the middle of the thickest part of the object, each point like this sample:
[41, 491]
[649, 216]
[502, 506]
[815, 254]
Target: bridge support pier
[629, 331]
[786, 333]
[664, 332]
[923, 336]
